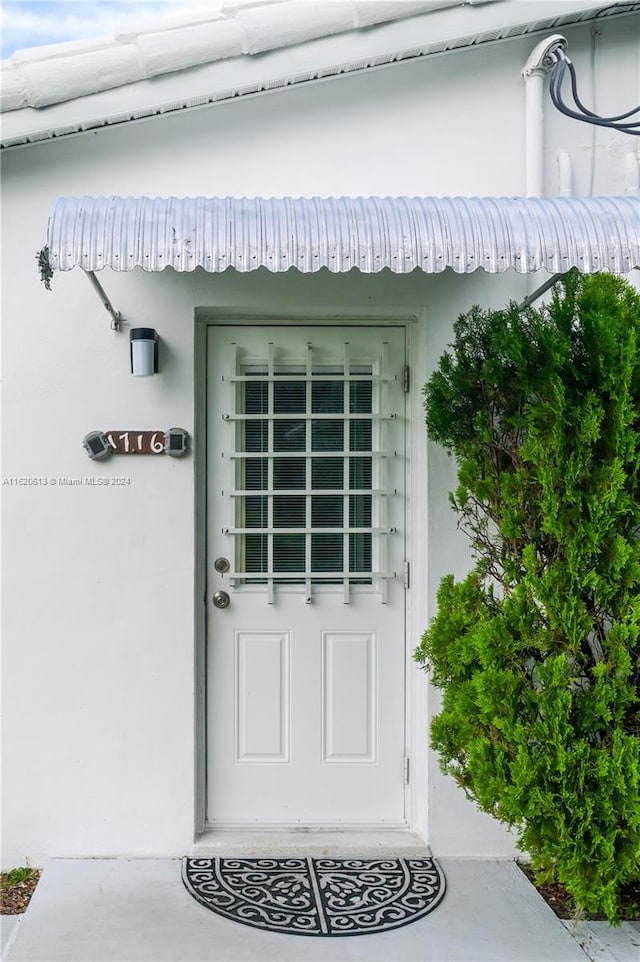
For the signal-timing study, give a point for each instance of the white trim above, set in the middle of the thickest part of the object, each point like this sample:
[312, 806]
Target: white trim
[417, 595]
[200, 574]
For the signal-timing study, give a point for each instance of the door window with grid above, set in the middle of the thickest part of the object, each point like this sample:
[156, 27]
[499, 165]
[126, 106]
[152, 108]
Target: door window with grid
[309, 451]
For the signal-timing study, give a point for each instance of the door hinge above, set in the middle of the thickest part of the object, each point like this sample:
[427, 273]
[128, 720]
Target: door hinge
[406, 379]
[407, 574]
[407, 768]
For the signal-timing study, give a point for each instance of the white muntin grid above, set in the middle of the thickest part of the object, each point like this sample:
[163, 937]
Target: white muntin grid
[283, 367]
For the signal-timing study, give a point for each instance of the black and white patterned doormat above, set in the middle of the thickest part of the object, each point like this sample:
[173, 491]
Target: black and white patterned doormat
[317, 896]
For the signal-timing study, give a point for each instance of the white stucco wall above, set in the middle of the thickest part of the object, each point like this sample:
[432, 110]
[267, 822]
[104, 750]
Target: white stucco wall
[98, 596]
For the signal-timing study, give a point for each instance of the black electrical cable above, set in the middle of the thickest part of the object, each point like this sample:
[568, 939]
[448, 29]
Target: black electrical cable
[574, 91]
[587, 116]
[583, 113]
[554, 90]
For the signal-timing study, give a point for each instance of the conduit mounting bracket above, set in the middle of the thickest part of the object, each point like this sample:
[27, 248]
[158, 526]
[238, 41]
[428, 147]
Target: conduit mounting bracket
[543, 57]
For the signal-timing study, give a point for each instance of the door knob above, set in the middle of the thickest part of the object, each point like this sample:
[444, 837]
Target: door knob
[221, 599]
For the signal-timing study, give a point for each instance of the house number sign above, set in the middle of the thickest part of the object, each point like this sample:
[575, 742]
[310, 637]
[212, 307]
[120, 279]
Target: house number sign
[136, 442]
[102, 444]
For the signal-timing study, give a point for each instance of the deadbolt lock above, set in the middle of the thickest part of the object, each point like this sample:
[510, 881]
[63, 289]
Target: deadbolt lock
[221, 565]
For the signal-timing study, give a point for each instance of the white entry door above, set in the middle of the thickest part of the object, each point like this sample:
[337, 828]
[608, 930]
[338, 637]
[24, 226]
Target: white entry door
[306, 509]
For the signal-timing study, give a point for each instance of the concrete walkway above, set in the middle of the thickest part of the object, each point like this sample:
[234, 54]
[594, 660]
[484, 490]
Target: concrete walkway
[125, 910]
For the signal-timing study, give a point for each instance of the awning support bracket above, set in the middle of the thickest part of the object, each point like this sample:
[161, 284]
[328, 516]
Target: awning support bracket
[116, 317]
[539, 291]
[46, 273]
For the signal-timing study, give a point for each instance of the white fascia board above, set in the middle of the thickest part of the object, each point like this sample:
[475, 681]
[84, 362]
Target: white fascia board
[325, 57]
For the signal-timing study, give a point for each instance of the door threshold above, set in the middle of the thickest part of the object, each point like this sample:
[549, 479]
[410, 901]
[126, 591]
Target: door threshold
[366, 841]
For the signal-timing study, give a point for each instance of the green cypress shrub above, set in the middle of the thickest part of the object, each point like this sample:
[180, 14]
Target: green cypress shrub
[537, 650]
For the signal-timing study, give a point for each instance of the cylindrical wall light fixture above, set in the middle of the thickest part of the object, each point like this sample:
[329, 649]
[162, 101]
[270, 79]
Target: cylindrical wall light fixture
[144, 351]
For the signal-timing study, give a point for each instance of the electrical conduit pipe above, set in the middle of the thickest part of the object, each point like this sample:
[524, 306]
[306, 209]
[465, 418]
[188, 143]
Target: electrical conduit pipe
[541, 61]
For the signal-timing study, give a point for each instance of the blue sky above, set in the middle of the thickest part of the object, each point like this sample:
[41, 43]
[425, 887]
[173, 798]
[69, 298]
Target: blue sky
[34, 23]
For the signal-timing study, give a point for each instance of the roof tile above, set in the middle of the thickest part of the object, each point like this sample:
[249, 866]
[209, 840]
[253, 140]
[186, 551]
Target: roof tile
[369, 12]
[51, 81]
[290, 22]
[13, 95]
[177, 49]
[58, 50]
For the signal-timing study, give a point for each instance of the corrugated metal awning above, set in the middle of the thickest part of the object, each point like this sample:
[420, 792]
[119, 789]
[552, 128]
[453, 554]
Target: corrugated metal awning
[367, 233]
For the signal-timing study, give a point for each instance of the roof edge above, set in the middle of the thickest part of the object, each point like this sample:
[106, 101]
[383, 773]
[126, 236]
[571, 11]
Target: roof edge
[41, 76]
[303, 63]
